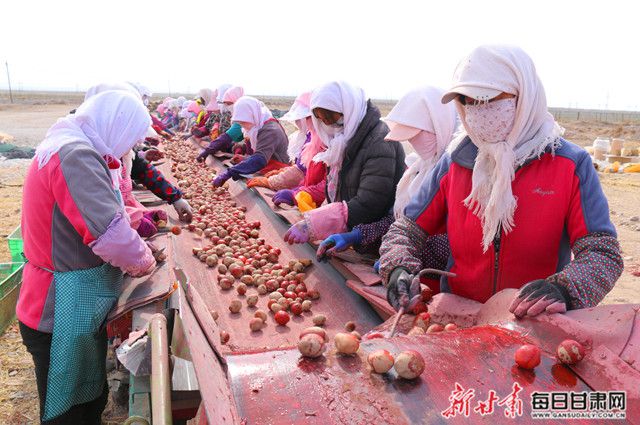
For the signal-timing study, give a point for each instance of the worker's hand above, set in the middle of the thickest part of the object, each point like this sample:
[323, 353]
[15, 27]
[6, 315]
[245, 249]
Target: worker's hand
[403, 289]
[338, 242]
[204, 153]
[237, 159]
[183, 209]
[151, 155]
[258, 182]
[146, 228]
[298, 233]
[284, 196]
[156, 216]
[540, 296]
[221, 179]
[222, 142]
[274, 172]
[144, 272]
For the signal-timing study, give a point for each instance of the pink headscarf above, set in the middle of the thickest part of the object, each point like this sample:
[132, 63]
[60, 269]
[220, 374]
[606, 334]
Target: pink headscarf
[314, 147]
[194, 107]
[233, 94]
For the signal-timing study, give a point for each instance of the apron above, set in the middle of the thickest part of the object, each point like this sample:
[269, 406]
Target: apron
[77, 373]
[77, 363]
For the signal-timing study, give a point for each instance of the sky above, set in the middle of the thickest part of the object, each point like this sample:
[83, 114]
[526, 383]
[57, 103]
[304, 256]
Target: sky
[586, 53]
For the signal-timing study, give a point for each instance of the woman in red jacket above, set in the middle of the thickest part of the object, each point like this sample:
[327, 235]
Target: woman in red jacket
[515, 199]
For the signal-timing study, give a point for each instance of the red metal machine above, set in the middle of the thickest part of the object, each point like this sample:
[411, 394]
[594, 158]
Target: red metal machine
[260, 377]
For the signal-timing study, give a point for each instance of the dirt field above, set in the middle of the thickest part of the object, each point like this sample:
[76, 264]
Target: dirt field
[28, 120]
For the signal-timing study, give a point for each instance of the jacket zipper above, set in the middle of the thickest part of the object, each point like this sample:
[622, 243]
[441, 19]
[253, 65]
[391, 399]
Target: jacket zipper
[496, 262]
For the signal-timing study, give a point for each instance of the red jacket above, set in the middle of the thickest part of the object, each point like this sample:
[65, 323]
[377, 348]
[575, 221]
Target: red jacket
[561, 207]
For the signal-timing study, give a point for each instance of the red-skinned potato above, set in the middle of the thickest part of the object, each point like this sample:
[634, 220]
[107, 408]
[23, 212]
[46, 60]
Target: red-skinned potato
[315, 330]
[319, 319]
[570, 351]
[450, 327]
[422, 320]
[527, 356]
[281, 317]
[255, 324]
[346, 343]
[260, 315]
[311, 345]
[436, 327]
[381, 361]
[409, 364]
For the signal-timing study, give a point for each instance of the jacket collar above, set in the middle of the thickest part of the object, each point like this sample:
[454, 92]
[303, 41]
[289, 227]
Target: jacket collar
[370, 120]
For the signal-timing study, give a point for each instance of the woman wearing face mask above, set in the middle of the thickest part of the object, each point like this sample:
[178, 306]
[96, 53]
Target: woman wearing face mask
[268, 140]
[428, 125]
[363, 169]
[233, 134]
[304, 144]
[78, 242]
[515, 199]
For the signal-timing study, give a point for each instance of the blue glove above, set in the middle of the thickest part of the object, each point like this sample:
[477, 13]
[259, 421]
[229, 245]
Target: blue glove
[284, 196]
[221, 179]
[338, 242]
[222, 143]
[376, 266]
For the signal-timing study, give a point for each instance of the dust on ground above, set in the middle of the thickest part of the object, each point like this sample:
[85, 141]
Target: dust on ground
[27, 122]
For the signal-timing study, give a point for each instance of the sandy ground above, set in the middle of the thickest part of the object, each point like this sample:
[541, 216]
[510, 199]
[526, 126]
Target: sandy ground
[28, 120]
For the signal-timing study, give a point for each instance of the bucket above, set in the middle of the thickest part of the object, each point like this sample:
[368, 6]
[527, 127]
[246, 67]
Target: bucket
[601, 147]
[616, 147]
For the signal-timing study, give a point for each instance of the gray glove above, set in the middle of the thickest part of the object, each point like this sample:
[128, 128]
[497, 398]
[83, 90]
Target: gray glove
[403, 289]
[184, 210]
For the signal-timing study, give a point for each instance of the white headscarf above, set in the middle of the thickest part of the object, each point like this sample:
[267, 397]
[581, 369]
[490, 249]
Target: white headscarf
[99, 88]
[422, 109]
[337, 96]
[251, 110]
[221, 91]
[111, 122]
[298, 114]
[507, 69]
[205, 94]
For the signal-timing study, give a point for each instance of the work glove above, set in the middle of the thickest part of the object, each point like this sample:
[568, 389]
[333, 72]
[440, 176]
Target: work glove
[223, 142]
[258, 182]
[274, 172]
[221, 179]
[298, 233]
[151, 155]
[146, 228]
[403, 289]
[540, 296]
[183, 209]
[156, 216]
[338, 242]
[284, 196]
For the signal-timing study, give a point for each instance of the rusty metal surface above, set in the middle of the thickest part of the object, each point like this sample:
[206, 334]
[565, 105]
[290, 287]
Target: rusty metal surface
[218, 401]
[341, 389]
[337, 302]
[137, 292]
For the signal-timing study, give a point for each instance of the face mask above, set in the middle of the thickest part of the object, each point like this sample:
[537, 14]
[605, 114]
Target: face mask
[339, 123]
[490, 122]
[330, 130]
[425, 144]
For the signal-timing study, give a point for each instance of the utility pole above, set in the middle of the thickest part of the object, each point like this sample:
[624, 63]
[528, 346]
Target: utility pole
[9, 80]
